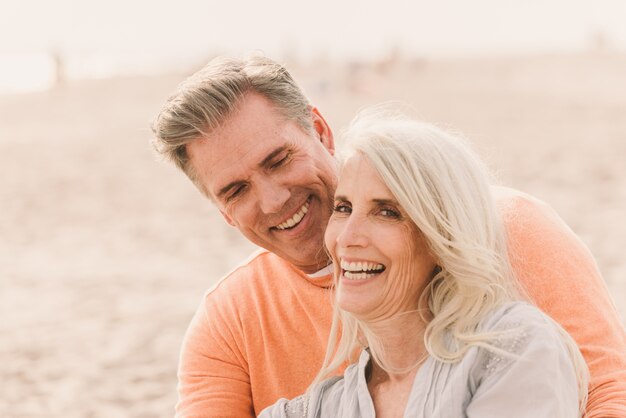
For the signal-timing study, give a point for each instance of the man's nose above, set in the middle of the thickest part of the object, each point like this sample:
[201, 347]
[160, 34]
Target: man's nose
[272, 196]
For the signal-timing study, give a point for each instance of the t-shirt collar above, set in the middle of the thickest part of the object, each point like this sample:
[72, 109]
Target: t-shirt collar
[323, 277]
[322, 272]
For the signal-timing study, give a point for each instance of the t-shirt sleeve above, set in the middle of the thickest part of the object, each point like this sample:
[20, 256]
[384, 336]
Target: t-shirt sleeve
[213, 378]
[562, 278]
[538, 381]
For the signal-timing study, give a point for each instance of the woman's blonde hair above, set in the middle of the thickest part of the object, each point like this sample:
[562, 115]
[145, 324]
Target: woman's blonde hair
[445, 189]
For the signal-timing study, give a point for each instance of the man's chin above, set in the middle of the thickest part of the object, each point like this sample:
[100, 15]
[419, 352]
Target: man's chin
[307, 255]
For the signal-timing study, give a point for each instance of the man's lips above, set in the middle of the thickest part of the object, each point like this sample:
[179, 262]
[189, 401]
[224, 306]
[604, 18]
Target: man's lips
[295, 219]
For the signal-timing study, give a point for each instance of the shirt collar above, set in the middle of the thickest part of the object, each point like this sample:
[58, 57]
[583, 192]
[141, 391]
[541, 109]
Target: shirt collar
[322, 272]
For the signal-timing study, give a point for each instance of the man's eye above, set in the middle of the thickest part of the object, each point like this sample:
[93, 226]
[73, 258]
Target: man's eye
[281, 162]
[237, 191]
[342, 208]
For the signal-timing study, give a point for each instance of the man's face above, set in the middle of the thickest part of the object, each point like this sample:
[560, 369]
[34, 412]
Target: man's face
[271, 180]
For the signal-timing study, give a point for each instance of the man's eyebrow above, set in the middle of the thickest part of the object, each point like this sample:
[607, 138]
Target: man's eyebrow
[270, 157]
[229, 186]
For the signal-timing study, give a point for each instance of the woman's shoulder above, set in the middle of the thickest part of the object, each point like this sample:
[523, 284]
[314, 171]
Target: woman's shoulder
[528, 354]
[519, 328]
[515, 314]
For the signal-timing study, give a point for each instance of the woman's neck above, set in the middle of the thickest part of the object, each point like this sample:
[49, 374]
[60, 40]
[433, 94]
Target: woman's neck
[403, 340]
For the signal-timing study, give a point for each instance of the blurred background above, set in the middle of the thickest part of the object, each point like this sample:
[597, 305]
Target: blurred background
[105, 251]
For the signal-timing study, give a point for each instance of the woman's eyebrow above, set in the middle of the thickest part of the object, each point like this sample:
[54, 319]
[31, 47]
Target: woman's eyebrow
[385, 201]
[380, 201]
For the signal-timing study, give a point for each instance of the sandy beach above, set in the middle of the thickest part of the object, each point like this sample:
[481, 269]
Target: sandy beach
[105, 252]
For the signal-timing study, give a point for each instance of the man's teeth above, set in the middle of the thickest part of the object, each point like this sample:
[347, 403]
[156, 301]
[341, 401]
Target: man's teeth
[360, 270]
[295, 219]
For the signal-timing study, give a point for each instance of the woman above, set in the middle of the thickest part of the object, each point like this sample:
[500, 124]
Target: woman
[425, 294]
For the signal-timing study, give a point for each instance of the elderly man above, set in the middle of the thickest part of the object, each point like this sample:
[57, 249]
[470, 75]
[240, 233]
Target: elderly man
[245, 134]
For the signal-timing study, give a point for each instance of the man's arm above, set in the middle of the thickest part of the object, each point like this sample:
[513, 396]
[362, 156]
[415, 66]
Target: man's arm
[562, 278]
[213, 379]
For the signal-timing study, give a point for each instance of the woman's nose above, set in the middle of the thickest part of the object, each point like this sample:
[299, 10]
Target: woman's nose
[354, 232]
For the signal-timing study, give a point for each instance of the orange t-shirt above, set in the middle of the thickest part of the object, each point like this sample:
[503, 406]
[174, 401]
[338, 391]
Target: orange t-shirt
[260, 334]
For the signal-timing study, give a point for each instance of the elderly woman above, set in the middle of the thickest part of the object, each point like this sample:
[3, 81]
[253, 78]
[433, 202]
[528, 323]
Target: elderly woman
[425, 296]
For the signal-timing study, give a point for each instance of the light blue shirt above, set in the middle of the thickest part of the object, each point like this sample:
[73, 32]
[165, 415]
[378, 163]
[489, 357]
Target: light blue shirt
[537, 381]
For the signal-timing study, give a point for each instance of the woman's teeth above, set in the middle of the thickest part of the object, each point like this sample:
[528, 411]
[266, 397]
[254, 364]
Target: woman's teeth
[360, 270]
[295, 219]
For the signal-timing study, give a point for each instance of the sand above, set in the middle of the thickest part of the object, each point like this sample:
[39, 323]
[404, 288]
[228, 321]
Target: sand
[105, 252]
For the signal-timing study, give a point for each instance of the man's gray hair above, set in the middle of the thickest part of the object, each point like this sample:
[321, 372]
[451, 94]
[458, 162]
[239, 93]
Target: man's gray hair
[204, 101]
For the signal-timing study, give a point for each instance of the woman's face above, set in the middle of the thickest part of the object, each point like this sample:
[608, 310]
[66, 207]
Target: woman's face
[381, 258]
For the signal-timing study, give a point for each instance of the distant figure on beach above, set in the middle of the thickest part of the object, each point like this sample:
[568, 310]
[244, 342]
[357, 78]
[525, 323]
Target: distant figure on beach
[245, 134]
[425, 293]
[59, 68]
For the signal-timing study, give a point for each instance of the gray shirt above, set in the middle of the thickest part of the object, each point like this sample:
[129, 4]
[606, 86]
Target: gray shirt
[537, 380]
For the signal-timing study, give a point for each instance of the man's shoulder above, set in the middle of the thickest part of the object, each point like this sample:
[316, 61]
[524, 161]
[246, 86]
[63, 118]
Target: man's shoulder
[525, 215]
[250, 283]
[261, 269]
[512, 201]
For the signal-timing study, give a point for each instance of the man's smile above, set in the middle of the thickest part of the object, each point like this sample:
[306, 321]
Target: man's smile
[296, 218]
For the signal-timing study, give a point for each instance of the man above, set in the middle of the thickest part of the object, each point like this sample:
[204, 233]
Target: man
[246, 135]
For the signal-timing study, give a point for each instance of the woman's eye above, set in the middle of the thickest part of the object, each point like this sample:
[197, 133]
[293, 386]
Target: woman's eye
[342, 208]
[390, 213]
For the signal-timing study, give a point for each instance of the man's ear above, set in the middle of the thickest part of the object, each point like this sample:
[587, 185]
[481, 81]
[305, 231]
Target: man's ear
[323, 131]
[227, 218]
